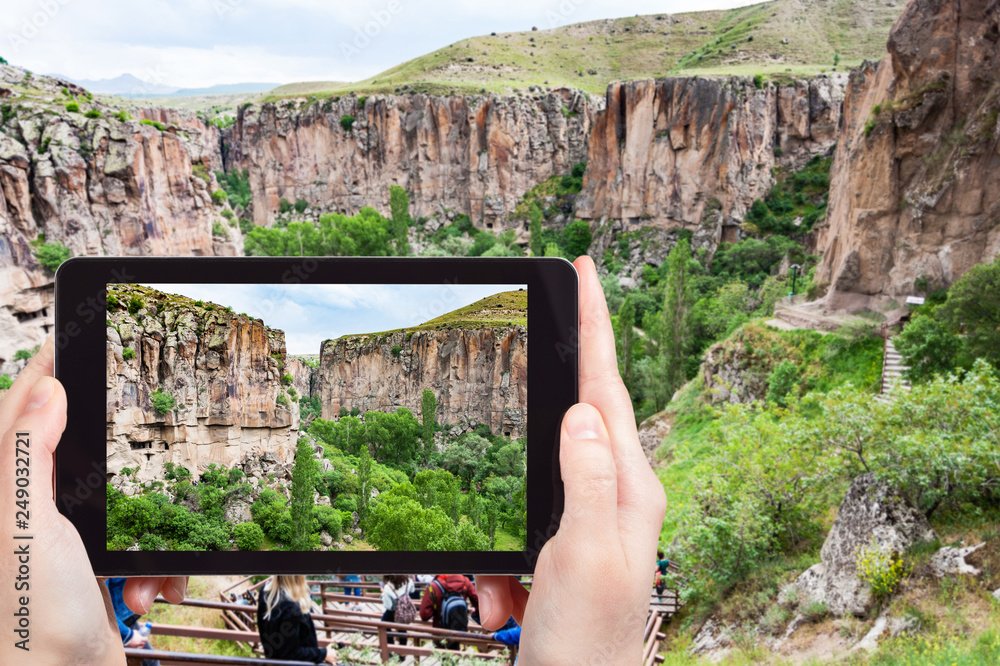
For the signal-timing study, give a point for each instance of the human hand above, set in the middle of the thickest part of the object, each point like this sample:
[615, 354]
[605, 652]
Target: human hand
[137, 640]
[590, 594]
[331, 656]
[71, 619]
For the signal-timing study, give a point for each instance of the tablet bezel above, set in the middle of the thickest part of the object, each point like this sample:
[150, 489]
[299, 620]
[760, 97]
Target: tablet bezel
[81, 340]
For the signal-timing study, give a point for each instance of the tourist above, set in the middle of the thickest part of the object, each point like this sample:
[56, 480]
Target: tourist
[662, 566]
[395, 588]
[443, 614]
[614, 508]
[134, 635]
[510, 634]
[285, 623]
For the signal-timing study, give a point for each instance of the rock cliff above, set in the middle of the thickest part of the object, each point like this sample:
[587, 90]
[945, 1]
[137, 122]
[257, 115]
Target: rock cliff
[222, 371]
[473, 154]
[477, 375]
[695, 153]
[96, 183]
[915, 182]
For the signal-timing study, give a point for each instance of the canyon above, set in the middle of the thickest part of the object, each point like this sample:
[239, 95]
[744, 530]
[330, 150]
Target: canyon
[912, 195]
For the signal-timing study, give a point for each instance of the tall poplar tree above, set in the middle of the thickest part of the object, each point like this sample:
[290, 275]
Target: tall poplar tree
[428, 407]
[675, 340]
[626, 321]
[304, 477]
[399, 205]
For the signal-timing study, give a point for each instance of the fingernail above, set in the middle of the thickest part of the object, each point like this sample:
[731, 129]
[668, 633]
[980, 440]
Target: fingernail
[179, 586]
[485, 601]
[40, 393]
[583, 423]
[146, 596]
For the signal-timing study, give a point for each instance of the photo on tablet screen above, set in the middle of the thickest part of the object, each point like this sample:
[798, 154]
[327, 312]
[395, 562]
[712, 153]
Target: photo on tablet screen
[388, 417]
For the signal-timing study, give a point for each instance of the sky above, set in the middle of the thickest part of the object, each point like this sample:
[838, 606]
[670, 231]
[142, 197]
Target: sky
[200, 43]
[310, 314]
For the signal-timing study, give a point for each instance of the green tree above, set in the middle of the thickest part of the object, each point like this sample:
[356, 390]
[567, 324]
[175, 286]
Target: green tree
[304, 477]
[576, 239]
[928, 348]
[675, 341]
[399, 204]
[428, 408]
[248, 536]
[781, 382]
[536, 242]
[973, 309]
[364, 482]
[52, 255]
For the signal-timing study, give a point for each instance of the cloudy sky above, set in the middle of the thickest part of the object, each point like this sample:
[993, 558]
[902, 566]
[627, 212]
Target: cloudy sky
[309, 314]
[199, 43]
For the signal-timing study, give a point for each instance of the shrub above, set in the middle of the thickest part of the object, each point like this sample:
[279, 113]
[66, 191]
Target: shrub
[781, 382]
[346, 503]
[576, 238]
[301, 205]
[347, 122]
[5, 382]
[248, 536]
[135, 303]
[153, 123]
[218, 229]
[25, 354]
[882, 571]
[51, 255]
[396, 349]
[285, 206]
[758, 81]
[329, 519]
[814, 611]
[72, 107]
[93, 113]
[128, 353]
[123, 116]
[162, 402]
[282, 400]
[219, 197]
[286, 379]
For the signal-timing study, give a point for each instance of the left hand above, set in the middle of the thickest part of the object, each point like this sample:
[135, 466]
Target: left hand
[71, 618]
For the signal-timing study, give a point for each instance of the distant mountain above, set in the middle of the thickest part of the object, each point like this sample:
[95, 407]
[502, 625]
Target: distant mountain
[128, 85]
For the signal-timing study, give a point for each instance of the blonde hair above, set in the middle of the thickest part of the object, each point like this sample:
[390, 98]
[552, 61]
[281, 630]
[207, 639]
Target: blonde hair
[291, 587]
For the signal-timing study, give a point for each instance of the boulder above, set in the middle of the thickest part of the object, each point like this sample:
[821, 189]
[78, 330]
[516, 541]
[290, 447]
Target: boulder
[325, 539]
[238, 512]
[348, 538]
[654, 430]
[871, 513]
[951, 562]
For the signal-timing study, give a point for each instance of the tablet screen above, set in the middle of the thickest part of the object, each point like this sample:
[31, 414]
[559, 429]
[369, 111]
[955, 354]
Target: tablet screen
[305, 417]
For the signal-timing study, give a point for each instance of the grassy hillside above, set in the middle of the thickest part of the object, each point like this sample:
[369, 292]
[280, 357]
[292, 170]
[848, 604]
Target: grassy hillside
[590, 55]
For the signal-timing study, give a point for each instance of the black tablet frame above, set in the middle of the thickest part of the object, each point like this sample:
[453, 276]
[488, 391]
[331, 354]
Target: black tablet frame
[81, 340]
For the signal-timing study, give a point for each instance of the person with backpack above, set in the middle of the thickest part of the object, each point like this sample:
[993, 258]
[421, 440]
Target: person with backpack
[446, 603]
[399, 607]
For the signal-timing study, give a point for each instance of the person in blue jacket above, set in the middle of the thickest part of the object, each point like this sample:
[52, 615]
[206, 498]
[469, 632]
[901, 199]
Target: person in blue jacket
[128, 622]
[509, 635]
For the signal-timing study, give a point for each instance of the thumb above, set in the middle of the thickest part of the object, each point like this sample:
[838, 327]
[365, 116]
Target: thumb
[589, 474]
[38, 429]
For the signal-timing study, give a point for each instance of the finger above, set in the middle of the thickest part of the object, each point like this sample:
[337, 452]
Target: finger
[139, 593]
[43, 420]
[590, 477]
[40, 365]
[500, 597]
[174, 588]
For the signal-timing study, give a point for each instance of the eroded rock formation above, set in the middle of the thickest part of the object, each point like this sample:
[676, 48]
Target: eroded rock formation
[477, 375]
[915, 183]
[473, 154]
[96, 185]
[693, 152]
[222, 370]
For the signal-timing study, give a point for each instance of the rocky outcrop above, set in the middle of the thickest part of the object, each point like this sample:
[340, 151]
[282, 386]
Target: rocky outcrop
[872, 513]
[303, 372]
[475, 154]
[915, 181]
[96, 185]
[477, 375]
[221, 371]
[654, 430]
[696, 152]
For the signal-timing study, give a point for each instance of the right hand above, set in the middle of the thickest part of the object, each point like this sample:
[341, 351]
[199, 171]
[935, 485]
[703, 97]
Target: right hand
[590, 595]
[137, 640]
[331, 656]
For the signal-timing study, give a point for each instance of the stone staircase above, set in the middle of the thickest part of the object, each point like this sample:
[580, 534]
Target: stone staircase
[893, 370]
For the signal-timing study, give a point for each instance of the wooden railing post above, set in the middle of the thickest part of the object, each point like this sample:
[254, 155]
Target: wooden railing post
[383, 643]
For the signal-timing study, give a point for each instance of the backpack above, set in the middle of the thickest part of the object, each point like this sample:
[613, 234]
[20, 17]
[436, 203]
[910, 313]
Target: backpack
[454, 612]
[405, 610]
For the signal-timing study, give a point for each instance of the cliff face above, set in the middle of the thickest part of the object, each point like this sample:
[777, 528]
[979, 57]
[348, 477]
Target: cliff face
[477, 375]
[473, 154]
[96, 186]
[222, 370]
[696, 153]
[915, 182]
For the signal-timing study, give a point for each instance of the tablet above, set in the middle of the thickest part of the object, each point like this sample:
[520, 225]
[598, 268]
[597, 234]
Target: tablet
[313, 415]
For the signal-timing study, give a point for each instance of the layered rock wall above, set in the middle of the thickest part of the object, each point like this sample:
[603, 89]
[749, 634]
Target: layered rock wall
[96, 186]
[916, 181]
[476, 155]
[223, 371]
[693, 152]
[477, 376]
